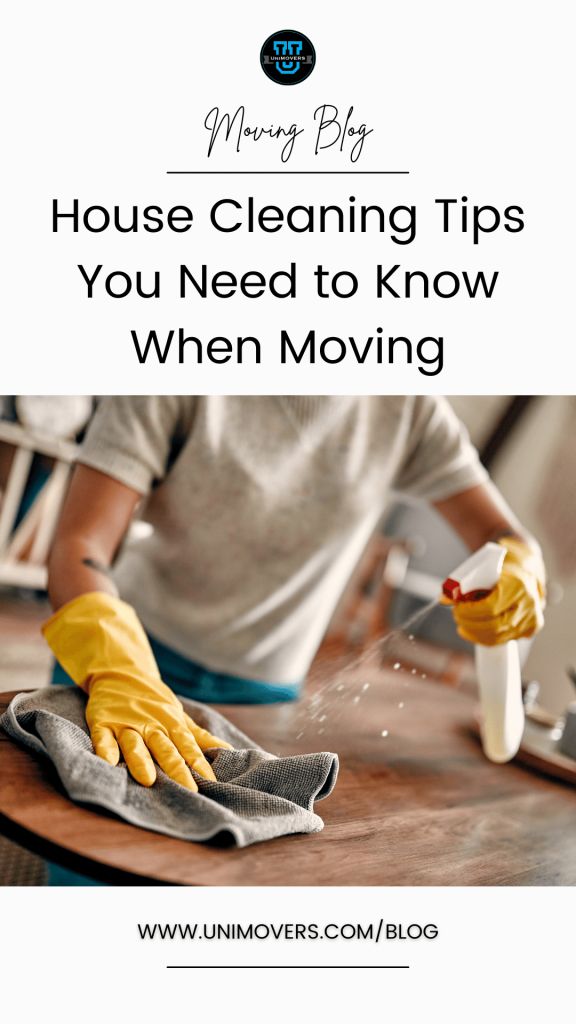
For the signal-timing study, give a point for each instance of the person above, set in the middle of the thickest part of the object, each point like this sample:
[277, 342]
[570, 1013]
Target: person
[259, 509]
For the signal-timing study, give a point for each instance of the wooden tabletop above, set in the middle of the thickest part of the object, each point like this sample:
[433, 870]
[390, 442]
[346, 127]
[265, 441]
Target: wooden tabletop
[419, 806]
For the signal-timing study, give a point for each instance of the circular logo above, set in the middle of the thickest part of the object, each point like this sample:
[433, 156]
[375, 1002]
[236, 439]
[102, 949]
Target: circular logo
[287, 57]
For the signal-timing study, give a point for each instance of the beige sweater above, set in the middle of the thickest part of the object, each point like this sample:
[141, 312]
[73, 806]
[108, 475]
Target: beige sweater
[261, 507]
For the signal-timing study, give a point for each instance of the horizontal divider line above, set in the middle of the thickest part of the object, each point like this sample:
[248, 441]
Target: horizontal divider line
[289, 967]
[287, 172]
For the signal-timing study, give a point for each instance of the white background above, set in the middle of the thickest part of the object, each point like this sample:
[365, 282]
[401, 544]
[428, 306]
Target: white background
[99, 101]
[473, 100]
[501, 955]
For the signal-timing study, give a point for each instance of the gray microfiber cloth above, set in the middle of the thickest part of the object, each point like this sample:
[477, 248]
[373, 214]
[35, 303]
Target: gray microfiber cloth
[257, 796]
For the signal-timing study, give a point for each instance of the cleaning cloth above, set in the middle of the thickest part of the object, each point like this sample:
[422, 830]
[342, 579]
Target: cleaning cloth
[257, 796]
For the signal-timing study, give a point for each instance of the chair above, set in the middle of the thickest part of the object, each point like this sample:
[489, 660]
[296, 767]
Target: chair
[24, 545]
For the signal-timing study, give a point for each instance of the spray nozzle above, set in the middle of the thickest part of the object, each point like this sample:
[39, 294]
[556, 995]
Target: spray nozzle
[476, 576]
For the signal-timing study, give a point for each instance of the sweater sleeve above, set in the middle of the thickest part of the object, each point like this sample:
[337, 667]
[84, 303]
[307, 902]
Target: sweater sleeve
[132, 437]
[439, 458]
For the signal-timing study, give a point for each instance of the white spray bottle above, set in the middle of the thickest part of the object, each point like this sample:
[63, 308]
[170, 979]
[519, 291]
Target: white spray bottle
[497, 668]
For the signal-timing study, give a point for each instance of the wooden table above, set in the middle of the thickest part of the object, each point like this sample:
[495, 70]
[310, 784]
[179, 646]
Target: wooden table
[420, 806]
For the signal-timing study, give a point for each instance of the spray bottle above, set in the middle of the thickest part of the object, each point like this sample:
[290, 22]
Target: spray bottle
[497, 668]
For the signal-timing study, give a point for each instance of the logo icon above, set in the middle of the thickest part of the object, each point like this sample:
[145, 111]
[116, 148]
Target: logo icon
[287, 57]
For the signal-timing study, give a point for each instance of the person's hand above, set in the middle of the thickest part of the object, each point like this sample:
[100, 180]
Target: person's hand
[515, 607]
[101, 644]
[146, 721]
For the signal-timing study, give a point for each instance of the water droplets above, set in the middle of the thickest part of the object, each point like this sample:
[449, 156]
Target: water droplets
[340, 688]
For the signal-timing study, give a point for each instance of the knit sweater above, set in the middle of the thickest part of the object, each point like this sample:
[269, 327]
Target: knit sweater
[261, 507]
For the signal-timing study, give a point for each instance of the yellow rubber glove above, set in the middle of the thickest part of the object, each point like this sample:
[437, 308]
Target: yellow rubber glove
[100, 642]
[515, 608]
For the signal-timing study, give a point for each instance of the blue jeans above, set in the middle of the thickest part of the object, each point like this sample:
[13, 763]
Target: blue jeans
[188, 679]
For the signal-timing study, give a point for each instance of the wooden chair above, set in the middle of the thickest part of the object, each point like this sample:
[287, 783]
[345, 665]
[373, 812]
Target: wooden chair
[24, 546]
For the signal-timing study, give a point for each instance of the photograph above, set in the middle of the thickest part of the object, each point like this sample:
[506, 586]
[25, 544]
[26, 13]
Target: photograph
[313, 640]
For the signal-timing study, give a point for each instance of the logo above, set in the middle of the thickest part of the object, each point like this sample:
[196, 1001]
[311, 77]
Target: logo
[287, 57]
